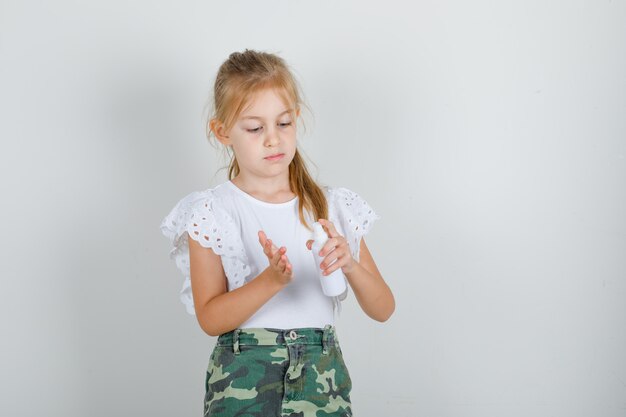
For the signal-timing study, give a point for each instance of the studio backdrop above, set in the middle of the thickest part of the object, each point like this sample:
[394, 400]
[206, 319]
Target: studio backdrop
[490, 137]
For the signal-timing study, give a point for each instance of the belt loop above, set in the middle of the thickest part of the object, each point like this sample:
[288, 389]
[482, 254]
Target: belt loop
[236, 341]
[325, 339]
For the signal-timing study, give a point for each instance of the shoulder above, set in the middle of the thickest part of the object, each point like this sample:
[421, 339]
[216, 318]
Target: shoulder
[203, 216]
[206, 197]
[339, 191]
[196, 205]
[352, 213]
[345, 198]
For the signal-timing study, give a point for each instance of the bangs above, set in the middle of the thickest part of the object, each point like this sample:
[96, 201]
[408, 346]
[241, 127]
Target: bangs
[241, 95]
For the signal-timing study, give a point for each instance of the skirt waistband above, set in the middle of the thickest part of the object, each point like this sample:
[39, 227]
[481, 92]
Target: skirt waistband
[279, 337]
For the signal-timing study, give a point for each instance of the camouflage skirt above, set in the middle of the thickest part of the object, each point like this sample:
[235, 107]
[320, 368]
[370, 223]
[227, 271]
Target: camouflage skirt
[265, 372]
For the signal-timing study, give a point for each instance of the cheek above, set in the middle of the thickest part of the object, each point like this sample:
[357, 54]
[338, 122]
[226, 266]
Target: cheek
[244, 147]
[291, 138]
[242, 152]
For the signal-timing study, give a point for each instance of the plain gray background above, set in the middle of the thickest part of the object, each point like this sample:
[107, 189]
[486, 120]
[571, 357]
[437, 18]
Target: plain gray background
[489, 136]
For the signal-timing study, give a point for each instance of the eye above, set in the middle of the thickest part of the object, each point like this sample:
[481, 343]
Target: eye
[284, 124]
[255, 130]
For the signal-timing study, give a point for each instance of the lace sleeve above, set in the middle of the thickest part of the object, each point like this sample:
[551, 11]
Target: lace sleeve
[200, 216]
[354, 215]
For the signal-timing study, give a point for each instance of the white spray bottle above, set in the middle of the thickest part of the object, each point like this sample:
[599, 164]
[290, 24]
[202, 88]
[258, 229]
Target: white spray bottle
[335, 283]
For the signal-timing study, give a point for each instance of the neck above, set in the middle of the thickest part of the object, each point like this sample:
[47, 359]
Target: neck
[265, 188]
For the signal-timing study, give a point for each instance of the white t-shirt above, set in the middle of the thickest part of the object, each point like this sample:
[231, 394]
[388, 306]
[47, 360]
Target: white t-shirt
[227, 220]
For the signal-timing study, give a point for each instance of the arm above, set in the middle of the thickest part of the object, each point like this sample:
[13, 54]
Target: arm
[218, 310]
[371, 291]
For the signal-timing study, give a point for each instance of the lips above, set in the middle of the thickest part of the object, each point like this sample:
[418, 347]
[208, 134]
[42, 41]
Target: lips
[275, 156]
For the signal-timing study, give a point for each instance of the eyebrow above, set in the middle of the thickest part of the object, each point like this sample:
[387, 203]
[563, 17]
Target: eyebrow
[260, 118]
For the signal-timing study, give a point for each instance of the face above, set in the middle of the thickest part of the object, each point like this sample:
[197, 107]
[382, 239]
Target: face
[264, 128]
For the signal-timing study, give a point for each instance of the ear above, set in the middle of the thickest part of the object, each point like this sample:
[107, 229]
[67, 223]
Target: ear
[218, 130]
[298, 112]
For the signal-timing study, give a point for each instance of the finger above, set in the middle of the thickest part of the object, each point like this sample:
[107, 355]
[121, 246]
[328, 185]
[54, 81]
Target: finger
[333, 267]
[328, 247]
[328, 259]
[287, 265]
[330, 227]
[284, 265]
[309, 243]
[264, 241]
[288, 268]
[278, 255]
[274, 258]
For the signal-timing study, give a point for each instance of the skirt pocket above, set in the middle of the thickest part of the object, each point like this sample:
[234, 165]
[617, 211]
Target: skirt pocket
[343, 374]
[212, 371]
[249, 383]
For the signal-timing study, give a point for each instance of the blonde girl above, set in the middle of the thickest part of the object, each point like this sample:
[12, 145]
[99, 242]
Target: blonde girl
[244, 248]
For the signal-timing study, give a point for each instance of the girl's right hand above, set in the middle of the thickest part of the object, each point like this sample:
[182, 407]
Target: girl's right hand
[280, 267]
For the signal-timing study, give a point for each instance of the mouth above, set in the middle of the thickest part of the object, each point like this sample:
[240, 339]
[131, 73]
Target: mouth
[275, 157]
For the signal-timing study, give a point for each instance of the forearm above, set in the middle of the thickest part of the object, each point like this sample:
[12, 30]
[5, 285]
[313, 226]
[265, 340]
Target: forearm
[372, 293]
[228, 311]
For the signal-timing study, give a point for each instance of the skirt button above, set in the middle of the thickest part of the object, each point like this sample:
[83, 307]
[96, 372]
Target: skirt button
[293, 335]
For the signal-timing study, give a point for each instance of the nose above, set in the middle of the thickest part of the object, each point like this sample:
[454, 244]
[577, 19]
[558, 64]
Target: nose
[272, 138]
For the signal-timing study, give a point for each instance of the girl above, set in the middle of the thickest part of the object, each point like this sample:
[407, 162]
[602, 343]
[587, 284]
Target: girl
[244, 248]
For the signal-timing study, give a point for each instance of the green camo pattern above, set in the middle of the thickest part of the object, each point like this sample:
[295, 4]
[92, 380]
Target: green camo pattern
[264, 372]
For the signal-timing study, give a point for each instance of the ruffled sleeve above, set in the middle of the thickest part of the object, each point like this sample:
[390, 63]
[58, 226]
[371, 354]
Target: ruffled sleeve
[201, 216]
[353, 215]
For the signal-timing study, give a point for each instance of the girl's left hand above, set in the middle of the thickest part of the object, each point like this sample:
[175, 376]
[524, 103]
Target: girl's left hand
[336, 247]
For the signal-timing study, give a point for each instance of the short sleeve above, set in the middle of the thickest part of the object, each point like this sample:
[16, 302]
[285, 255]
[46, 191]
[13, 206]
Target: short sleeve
[202, 216]
[353, 215]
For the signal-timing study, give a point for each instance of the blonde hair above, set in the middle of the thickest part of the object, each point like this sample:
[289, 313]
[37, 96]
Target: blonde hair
[238, 78]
